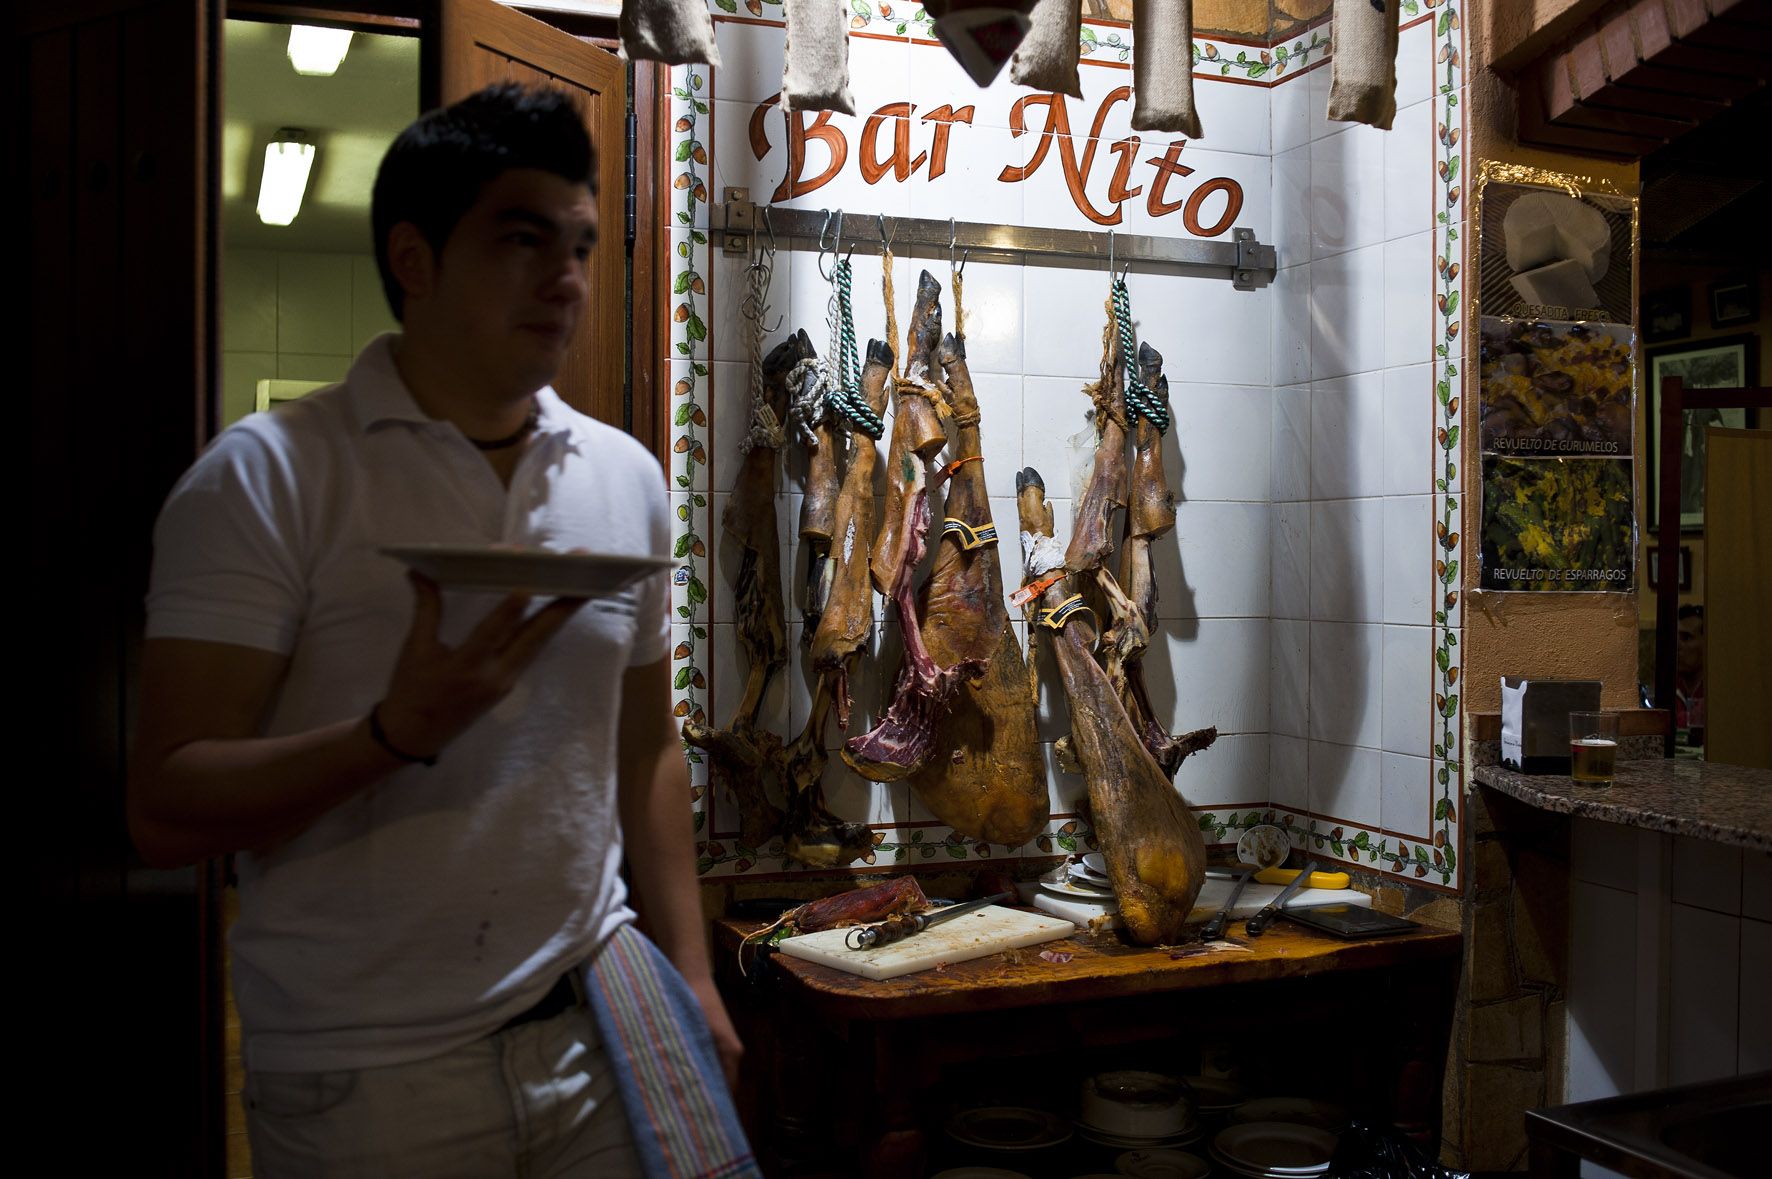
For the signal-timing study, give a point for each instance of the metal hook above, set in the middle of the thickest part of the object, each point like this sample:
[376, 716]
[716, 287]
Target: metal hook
[885, 238]
[770, 229]
[953, 241]
[1110, 258]
[830, 248]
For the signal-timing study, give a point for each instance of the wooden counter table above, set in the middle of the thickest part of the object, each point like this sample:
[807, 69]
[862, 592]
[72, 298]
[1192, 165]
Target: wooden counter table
[834, 1058]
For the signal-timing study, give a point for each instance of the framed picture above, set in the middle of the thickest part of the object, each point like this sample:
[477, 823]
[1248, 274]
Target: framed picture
[1667, 315]
[1733, 301]
[1725, 362]
[1685, 568]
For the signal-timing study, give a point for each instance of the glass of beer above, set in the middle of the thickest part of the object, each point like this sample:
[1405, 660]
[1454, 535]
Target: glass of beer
[1593, 746]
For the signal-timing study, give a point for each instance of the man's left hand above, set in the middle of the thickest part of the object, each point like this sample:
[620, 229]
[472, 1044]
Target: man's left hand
[726, 1041]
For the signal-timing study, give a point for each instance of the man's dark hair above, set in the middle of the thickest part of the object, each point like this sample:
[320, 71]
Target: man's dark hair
[437, 167]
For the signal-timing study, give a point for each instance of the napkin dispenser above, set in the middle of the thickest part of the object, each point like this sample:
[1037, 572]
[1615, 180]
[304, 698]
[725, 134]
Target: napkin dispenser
[1535, 721]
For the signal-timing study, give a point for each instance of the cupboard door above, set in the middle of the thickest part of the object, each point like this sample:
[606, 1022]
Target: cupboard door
[470, 44]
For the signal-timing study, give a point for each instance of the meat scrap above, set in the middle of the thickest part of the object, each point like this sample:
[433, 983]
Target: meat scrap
[743, 758]
[858, 906]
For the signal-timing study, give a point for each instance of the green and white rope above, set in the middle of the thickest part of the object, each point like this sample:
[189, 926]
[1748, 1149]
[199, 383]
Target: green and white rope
[846, 394]
[1141, 400]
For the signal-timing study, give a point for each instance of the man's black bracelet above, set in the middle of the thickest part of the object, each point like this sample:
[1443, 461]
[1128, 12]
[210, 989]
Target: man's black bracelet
[380, 737]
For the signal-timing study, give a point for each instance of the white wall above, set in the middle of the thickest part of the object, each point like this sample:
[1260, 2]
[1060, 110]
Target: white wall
[1353, 457]
[1671, 945]
[296, 316]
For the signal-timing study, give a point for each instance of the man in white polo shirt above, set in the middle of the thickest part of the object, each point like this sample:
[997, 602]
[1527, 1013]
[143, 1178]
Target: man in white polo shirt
[430, 793]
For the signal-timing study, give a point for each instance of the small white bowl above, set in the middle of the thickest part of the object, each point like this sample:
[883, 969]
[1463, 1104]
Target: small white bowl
[1134, 1104]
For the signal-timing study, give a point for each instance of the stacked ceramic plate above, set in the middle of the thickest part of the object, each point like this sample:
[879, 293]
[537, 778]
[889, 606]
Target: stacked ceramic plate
[1008, 1128]
[1135, 1110]
[1083, 879]
[1273, 1150]
[1217, 1097]
[1302, 1110]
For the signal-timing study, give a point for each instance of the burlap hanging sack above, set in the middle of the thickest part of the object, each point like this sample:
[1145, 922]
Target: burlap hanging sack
[1163, 67]
[1363, 62]
[1047, 57]
[671, 31]
[815, 73]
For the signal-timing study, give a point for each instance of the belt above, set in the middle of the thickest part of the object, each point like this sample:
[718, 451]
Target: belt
[562, 996]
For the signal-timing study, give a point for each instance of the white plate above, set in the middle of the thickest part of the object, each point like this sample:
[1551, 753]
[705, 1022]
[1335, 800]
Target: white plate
[978, 1173]
[1276, 1148]
[1067, 888]
[1263, 846]
[1216, 1094]
[526, 571]
[1162, 1164]
[1106, 1138]
[1008, 1127]
[1301, 1110]
[1083, 875]
[1096, 863]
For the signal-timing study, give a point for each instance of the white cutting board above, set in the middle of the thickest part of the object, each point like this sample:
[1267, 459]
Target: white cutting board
[972, 936]
[1212, 897]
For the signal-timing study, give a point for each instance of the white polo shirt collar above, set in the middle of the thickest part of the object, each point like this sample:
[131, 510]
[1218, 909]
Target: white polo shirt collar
[381, 396]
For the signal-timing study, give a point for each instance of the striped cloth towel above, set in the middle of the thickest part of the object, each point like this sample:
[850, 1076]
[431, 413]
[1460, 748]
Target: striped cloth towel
[665, 1065]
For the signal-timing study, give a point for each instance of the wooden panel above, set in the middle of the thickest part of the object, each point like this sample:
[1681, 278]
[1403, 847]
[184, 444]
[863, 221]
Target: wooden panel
[1737, 569]
[648, 269]
[470, 44]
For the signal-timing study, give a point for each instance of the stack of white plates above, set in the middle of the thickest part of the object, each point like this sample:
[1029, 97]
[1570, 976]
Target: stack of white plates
[1303, 1110]
[1008, 1128]
[1083, 879]
[1216, 1097]
[1133, 1110]
[1273, 1150]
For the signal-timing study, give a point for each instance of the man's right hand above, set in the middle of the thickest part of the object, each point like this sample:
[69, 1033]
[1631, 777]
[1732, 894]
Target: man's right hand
[437, 691]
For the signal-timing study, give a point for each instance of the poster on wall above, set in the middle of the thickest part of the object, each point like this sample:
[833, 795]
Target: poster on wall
[1556, 262]
[1557, 252]
[1558, 524]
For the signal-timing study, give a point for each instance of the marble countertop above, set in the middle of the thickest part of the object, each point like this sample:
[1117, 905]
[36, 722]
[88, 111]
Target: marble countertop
[1727, 804]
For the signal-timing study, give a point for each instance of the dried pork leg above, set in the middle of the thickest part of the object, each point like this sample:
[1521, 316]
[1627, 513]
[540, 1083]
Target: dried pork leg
[1105, 494]
[814, 835]
[743, 758]
[916, 436]
[984, 775]
[1150, 514]
[903, 738]
[848, 617]
[818, 513]
[1156, 858]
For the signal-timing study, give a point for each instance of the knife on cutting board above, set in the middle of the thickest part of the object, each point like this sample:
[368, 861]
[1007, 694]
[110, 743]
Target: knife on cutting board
[903, 925]
[1258, 924]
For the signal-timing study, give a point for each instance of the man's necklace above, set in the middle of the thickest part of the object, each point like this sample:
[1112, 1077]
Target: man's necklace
[516, 436]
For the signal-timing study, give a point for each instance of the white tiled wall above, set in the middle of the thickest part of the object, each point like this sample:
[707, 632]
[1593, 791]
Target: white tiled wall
[1671, 938]
[1350, 453]
[1296, 591]
[296, 316]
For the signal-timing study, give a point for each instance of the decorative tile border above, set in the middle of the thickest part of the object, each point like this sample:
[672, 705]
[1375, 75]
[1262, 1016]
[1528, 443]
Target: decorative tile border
[1447, 761]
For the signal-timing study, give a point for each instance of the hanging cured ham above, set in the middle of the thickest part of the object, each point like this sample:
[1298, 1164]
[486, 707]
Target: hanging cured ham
[1156, 858]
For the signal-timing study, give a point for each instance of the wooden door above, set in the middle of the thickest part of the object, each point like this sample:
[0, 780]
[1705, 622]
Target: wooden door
[469, 44]
[115, 163]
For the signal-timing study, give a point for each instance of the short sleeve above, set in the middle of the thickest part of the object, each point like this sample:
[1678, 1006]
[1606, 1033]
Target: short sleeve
[226, 563]
[652, 627]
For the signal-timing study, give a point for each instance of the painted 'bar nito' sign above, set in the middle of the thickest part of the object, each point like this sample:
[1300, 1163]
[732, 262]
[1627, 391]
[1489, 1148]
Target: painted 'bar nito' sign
[898, 143]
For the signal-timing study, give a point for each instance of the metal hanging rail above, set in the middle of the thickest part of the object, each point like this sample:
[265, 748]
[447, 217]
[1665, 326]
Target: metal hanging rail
[1242, 259]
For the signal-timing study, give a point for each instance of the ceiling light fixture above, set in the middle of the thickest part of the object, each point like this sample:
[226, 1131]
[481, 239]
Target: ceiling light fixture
[317, 52]
[288, 160]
